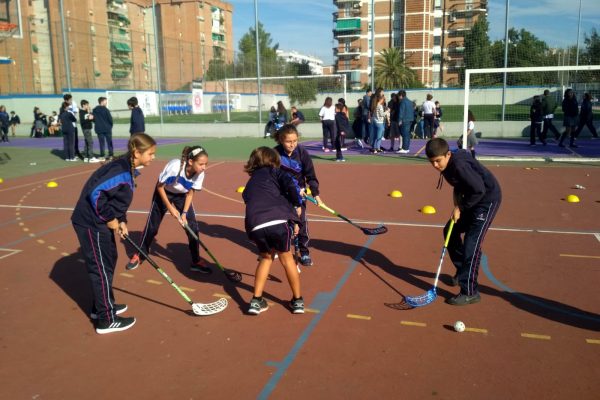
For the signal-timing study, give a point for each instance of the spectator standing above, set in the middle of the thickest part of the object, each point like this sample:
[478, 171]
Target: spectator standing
[357, 125]
[394, 122]
[136, 122]
[103, 127]
[406, 116]
[75, 111]
[4, 122]
[366, 115]
[86, 120]
[471, 138]
[428, 109]
[378, 117]
[14, 121]
[536, 116]
[437, 123]
[327, 116]
[66, 120]
[570, 109]
[586, 116]
[548, 107]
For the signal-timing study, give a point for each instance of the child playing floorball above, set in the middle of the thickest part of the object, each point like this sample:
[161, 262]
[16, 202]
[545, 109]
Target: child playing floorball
[98, 215]
[271, 196]
[296, 161]
[174, 192]
[477, 197]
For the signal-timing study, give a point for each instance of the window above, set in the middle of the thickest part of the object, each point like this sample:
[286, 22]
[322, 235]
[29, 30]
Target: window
[437, 22]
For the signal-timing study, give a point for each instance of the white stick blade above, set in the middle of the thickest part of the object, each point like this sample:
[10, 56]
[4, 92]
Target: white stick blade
[209, 308]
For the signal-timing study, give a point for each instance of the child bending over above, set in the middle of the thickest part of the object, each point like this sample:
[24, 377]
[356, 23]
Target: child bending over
[272, 213]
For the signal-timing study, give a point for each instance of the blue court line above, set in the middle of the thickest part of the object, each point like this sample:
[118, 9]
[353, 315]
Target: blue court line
[321, 302]
[501, 285]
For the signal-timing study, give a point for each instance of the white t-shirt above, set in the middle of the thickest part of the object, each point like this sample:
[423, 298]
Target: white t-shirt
[428, 107]
[327, 113]
[170, 172]
[470, 126]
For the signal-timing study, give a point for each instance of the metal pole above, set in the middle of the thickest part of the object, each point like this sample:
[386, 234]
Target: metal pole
[156, 54]
[65, 46]
[373, 46]
[227, 100]
[257, 62]
[578, 28]
[505, 60]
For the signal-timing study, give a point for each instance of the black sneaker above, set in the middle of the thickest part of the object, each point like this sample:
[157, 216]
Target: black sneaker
[133, 263]
[297, 305]
[306, 261]
[463, 299]
[119, 309]
[119, 324]
[201, 267]
[257, 306]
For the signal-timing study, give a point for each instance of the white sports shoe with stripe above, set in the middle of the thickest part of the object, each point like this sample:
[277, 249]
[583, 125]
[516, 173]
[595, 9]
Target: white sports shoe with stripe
[119, 324]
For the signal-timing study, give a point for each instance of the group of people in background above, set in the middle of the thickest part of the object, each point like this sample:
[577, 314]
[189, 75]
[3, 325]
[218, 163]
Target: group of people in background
[7, 122]
[541, 114]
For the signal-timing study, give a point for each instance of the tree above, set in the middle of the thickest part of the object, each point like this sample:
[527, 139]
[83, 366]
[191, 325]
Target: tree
[269, 62]
[301, 91]
[391, 71]
[478, 52]
[592, 48]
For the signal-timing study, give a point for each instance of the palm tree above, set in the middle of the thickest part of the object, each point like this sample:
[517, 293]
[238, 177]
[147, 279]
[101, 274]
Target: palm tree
[391, 71]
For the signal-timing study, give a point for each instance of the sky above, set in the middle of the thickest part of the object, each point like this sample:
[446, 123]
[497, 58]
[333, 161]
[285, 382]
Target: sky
[306, 25]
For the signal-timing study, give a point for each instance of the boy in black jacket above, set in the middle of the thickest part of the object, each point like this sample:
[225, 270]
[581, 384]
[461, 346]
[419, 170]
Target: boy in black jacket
[103, 127]
[272, 212]
[477, 197]
[136, 123]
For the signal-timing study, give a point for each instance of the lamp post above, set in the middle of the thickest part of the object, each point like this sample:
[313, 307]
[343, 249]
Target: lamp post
[373, 46]
[505, 59]
[257, 62]
[65, 46]
[578, 28]
[156, 54]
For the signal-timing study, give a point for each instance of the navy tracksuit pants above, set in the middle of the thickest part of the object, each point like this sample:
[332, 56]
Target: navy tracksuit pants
[465, 253]
[99, 250]
[302, 236]
[155, 217]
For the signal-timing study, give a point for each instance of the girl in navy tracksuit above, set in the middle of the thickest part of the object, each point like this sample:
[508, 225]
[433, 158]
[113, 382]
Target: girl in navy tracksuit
[477, 197]
[297, 162]
[272, 205]
[174, 192]
[67, 119]
[98, 215]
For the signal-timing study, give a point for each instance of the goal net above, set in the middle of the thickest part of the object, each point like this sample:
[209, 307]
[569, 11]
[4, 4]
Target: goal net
[503, 111]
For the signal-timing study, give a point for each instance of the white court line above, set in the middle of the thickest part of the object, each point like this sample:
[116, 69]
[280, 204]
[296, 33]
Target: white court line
[327, 219]
[11, 252]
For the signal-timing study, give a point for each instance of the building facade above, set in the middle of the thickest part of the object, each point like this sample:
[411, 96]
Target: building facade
[111, 44]
[315, 64]
[430, 34]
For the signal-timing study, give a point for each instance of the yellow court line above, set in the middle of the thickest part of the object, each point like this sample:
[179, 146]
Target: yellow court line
[125, 274]
[31, 234]
[51, 248]
[221, 295]
[187, 289]
[476, 330]
[312, 310]
[578, 256]
[356, 316]
[592, 341]
[413, 323]
[41, 241]
[65, 254]
[26, 230]
[152, 281]
[535, 336]
[87, 172]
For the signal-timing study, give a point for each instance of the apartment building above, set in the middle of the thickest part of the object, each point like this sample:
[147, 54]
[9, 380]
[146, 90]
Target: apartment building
[111, 44]
[430, 34]
[315, 64]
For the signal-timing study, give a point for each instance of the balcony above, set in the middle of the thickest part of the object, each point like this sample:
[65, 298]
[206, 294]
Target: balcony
[456, 50]
[346, 13]
[348, 27]
[347, 52]
[343, 2]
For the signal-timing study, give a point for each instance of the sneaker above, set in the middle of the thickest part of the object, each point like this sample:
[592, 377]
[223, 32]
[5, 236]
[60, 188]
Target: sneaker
[344, 149]
[340, 160]
[306, 261]
[93, 160]
[402, 151]
[257, 306]
[133, 263]
[101, 159]
[360, 144]
[200, 266]
[85, 159]
[463, 299]
[297, 305]
[326, 150]
[119, 324]
[119, 309]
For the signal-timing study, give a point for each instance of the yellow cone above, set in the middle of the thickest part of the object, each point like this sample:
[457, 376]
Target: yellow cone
[396, 193]
[572, 198]
[240, 189]
[308, 192]
[51, 184]
[1, 180]
[428, 210]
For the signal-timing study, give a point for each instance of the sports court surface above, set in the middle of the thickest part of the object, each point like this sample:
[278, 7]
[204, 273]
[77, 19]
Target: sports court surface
[535, 334]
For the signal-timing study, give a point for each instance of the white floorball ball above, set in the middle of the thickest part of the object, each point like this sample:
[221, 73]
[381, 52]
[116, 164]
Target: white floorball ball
[459, 326]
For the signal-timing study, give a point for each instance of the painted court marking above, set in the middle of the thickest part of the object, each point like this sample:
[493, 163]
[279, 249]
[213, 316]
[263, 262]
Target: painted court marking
[578, 256]
[476, 330]
[592, 341]
[535, 336]
[356, 316]
[9, 252]
[413, 323]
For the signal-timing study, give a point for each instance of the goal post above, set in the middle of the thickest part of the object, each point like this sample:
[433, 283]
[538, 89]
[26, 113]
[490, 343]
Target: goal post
[304, 90]
[483, 87]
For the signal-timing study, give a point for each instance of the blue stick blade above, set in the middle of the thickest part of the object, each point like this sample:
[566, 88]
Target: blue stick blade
[422, 300]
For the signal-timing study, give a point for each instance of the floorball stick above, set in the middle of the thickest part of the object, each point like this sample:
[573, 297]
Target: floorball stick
[431, 294]
[233, 276]
[197, 308]
[367, 231]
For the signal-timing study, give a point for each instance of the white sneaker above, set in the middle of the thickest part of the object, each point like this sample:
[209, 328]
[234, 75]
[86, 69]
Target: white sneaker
[93, 160]
[101, 159]
[402, 151]
[86, 160]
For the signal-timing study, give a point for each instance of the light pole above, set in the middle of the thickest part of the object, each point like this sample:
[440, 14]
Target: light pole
[373, 46]
[578, 28]
[65, 46]
[156, 54]
[505, 59]
[257, 62]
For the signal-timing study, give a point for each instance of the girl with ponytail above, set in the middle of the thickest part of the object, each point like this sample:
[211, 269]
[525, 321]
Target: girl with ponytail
[174, 192]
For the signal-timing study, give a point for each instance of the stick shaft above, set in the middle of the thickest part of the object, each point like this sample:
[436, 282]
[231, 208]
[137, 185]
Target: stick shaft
[437, 275]
[160, 271]
[323, 206]
[196, 238]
